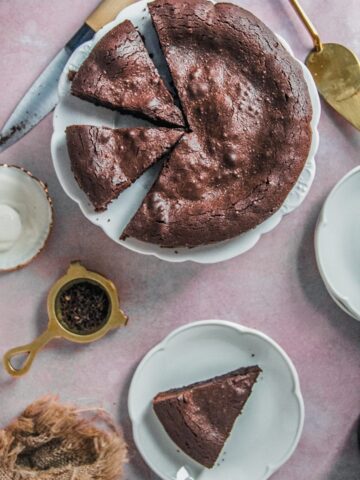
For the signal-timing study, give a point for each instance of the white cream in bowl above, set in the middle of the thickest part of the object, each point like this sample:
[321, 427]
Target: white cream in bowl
[26, 217]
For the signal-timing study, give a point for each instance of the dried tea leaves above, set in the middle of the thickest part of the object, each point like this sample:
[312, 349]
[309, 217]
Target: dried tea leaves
[83, 308]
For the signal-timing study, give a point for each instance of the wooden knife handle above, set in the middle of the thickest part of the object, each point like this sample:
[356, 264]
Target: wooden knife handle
[105, 13]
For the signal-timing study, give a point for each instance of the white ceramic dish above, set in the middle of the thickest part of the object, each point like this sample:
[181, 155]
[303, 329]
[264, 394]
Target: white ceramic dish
[71, 110]
[340, 303]
[264, 436]
[337, 240]
[26, 217]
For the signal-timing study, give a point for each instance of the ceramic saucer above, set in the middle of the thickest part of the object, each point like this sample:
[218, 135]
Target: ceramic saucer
[26, 217]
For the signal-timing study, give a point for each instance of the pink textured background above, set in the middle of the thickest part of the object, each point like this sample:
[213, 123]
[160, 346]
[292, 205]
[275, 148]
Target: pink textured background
[275, 287]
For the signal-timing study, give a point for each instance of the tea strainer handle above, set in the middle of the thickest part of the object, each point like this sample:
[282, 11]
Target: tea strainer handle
[30, 350]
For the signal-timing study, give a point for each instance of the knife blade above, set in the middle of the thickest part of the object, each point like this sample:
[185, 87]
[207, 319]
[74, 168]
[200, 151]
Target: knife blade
[42, 96]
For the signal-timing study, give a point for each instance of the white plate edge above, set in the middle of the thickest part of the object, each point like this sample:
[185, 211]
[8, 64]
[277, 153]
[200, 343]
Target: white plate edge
[320, 225]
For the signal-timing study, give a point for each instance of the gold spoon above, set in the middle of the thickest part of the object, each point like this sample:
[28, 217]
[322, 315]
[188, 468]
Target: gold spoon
[336, 71]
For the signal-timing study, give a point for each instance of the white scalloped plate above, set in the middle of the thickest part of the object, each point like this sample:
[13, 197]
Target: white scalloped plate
[337, 238]
[71, 110]
[264, 436]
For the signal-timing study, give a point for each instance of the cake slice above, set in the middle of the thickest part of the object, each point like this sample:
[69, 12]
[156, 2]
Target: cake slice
[106, 161]
[200, 417]
[119, 74]
[170, 215]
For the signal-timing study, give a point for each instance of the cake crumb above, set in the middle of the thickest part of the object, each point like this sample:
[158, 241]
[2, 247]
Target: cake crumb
[71, 75]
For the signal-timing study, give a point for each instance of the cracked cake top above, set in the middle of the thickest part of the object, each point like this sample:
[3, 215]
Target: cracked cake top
[248, 107]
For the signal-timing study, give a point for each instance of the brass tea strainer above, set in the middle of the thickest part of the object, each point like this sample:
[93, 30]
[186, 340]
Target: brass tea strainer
[76, 274]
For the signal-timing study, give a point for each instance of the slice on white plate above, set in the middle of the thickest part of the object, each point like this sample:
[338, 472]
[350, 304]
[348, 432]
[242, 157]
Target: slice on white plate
[263, 437]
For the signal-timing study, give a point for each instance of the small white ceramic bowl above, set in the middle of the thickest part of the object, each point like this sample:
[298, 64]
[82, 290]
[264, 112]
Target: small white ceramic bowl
[337, 243]
[265, 434]
[26, 217]
[71, 110]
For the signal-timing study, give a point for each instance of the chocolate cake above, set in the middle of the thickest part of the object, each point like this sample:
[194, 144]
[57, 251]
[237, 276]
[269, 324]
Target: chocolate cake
[106, 161]
[249, 111]
[119, 74]
[199, 418]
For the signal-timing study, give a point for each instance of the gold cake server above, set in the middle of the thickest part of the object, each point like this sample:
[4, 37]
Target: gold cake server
[336, 71]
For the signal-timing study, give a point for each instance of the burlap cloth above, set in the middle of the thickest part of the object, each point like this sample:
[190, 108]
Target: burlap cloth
[50, 441]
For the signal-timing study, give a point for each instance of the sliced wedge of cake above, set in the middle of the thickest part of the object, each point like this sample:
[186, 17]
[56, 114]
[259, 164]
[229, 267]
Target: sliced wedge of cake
[106, 161]
[119, 74]
[199, 418]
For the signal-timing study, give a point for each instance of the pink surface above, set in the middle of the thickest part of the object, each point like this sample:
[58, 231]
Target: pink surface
[275, 287]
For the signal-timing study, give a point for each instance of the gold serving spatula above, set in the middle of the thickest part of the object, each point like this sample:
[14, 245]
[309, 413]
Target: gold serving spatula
[336, 71]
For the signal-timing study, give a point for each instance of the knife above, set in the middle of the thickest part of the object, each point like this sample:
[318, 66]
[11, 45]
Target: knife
[42, 96]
